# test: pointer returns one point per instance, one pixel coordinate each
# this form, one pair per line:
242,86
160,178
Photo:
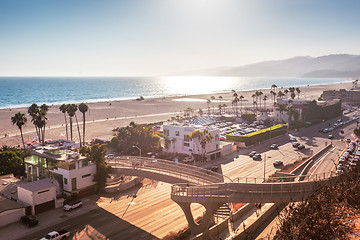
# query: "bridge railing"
166,167
225,190
313,177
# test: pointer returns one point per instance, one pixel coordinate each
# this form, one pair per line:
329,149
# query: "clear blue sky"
156,37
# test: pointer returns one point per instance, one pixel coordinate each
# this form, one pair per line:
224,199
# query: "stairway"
222,213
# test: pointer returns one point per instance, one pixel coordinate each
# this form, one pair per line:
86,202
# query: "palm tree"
83,108
43,112
280,94
254,102
32,110
220,98
208,106
71,109
63,109
202,137
19,119
282,108
274,87
260,94
292,91
298,91
286,92
213,98
273,94
200,111
265,99
241,99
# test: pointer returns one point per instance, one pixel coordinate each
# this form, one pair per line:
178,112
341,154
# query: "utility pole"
264,165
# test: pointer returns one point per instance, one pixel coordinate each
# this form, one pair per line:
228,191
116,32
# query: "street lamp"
138,149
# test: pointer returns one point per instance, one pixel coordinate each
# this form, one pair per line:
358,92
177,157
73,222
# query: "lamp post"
138,149
264,165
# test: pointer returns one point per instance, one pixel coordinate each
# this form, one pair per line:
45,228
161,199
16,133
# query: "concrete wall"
25,196
11,216
44,195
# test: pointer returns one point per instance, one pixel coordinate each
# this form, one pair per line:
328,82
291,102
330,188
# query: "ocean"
23,91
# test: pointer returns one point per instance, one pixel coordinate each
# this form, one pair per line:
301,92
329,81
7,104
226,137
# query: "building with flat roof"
283,116
73,172
10,211
178,143
346,96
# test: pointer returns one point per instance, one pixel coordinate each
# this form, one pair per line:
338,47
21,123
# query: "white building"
73,172
40,195
176,133
298,104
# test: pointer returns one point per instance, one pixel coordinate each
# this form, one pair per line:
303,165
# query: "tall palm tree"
32,111
43,112
286,91
265,99
213,99
280,94
254,102
241,100
298,91
220,98
208,106
274,87
83,108
282,108
63,109
19,119
260,94
292,91
71,109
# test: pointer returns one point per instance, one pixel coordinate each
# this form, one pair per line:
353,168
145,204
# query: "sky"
161,37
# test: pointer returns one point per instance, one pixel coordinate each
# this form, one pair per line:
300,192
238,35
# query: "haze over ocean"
23,91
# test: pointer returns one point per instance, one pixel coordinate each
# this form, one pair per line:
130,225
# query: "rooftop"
37,185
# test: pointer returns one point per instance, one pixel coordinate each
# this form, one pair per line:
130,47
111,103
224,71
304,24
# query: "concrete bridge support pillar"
195,228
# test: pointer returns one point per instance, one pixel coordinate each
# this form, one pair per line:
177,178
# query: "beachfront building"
281,116
178,143
346,96
73,172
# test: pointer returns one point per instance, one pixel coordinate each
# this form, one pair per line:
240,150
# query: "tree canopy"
135,135
12,161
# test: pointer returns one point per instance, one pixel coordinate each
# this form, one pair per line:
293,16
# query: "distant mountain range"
332,66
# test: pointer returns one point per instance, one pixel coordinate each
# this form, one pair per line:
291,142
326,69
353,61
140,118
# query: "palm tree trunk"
22,137
66,127
84,128
71,132
77,123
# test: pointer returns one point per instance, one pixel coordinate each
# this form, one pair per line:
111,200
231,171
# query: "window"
86,175
177,133
186,144
65,181
47,190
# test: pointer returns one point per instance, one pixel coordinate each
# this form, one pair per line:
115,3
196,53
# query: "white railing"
164,167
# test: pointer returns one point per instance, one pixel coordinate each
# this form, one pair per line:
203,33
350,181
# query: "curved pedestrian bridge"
193,184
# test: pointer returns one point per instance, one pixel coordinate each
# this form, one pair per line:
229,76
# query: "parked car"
295,144
330,136
274,146
54,235
73,205
256,156
252,153
277,163
29,220
292,139
301,147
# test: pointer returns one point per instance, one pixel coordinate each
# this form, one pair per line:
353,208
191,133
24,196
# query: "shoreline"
101,100
103,117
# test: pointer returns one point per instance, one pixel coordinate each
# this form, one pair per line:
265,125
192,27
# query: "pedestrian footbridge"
193,184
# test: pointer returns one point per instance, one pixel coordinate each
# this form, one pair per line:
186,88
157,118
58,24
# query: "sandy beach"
103,117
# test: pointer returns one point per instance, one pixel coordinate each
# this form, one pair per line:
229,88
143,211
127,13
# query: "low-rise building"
281,115
176,133
73,172
346,96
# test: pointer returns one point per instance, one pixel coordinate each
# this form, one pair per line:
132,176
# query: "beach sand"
103,117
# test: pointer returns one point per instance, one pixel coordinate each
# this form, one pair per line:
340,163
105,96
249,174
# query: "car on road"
292,139
300,147
29,220
277,163
252,153
348,140
256,157
54,235
295,144
330,136
73,205
274,146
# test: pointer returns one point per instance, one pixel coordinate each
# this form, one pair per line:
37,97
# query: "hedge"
258,136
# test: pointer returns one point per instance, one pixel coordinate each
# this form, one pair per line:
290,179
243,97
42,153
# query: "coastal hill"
330,66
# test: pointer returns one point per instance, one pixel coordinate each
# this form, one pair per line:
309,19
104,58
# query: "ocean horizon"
23,91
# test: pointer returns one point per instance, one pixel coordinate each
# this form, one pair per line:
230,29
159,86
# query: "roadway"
152,214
